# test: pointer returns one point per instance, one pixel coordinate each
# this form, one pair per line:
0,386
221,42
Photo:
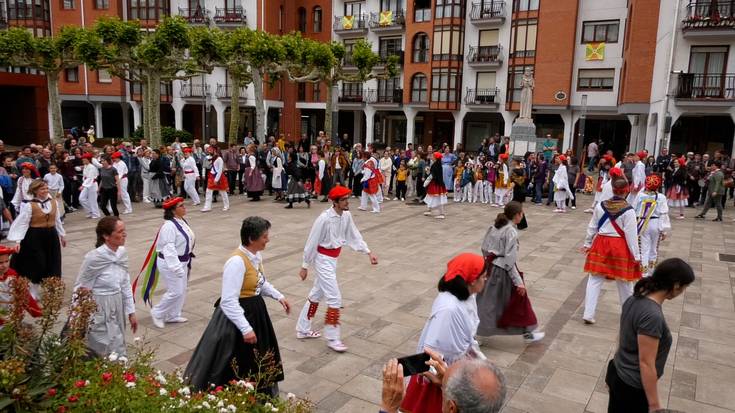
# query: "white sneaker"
127,212
206,209
588,211
337,345
589,322
427,213
226,209
573,208
362,209
178,320
533,337
308,334
158,322
440,217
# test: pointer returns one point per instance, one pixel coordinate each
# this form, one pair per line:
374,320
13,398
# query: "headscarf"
466,265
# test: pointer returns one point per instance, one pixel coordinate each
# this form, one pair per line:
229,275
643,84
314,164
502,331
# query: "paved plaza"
385,306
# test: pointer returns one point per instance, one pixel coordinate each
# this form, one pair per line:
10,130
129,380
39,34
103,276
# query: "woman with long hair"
436,192
503,305
645,339
254,184
104,271
678,194
39,235
451,327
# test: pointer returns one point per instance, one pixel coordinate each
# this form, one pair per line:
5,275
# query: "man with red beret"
652,210
639,176
89,188
371,180
332,230
189,166
7,277
122,172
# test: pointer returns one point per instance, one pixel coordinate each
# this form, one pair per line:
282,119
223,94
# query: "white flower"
249,386
162,391
221,404
222,410
160,377
130,384
211,397
290,396
185,391
137,339
206,405
231,408
113,356
86,382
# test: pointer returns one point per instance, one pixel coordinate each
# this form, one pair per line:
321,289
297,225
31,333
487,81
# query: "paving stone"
570,386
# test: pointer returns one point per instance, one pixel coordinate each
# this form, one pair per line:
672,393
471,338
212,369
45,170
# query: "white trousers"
170,306
410,187
373,200
146,188
500,194
386,182
594,286
649,245
191,190
488,192
88,199
124,195
467,193
208,199
325,287
480,192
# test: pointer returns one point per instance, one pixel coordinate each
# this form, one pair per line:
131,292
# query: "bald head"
473,386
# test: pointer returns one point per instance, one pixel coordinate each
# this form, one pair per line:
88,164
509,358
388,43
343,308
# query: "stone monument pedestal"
523,137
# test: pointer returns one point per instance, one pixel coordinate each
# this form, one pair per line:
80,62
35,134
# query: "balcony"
421,15
195,16
385,97
351,26
233,16
697,89
388,21
150,14
189,90
485,56
482,97
39,12
225,92
710,19
487,13
136,92
354,98
385,54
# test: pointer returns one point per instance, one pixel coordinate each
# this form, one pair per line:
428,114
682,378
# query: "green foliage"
168,135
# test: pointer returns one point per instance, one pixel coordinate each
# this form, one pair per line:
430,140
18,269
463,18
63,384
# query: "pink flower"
80,383
51,392
106,377
129,377
73,398
218,389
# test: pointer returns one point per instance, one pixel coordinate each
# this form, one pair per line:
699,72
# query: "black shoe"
699,217
289,206
717,220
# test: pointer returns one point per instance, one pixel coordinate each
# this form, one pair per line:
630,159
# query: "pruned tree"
68,49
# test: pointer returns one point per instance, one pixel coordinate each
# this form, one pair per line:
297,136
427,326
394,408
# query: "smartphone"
415,364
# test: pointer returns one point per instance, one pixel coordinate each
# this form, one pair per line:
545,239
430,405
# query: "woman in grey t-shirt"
645,339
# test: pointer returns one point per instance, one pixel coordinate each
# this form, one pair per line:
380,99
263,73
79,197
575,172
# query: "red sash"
329,252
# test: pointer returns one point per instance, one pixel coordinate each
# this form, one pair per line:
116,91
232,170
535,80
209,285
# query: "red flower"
129,377
73,398
61,409
80,383
51,392
106,377
218,389
174,393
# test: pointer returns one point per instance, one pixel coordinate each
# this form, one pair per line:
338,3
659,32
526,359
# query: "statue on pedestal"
527,85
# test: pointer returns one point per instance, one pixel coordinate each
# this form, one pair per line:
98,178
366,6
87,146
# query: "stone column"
508,118
137,118
568,137
410,124
369,125
178,107
220,109
458,128
125,120
98,120
357,127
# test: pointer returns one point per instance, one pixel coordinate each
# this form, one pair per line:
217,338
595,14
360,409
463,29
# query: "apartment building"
632,73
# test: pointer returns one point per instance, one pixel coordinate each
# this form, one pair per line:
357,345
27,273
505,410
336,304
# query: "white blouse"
21,192
22,222
172,244
105,272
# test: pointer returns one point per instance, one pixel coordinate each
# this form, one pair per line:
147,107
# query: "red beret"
172,202
6,251
682,161
27,165
87,156
116,155
187,150
503,156
653,182
642,154
339,192
437,155
562,158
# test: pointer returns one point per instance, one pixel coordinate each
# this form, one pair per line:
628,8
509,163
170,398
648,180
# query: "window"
421,48
708,60
66,4
515,76
525,5
596,79
302,20
101,4
103,76
316,92
317,16
390,47
394,5
444,84
72,75
706,77
349,45
419,88
148,9
448,43
523,38
449,8
389,90
485,80
422,10
352,91
488,38
600,31
301,92
353,9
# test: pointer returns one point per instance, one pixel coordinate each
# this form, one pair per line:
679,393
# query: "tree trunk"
154,80
234,109
146,108
259,106
328,110
52,81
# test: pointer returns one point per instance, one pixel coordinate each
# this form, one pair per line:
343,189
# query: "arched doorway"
702,134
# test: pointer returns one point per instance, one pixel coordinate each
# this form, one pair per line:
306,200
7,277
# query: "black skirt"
222,342
39,256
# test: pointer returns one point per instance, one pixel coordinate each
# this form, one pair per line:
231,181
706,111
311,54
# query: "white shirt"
627,222
55,182
322,165
331,230
592,150
561,180
89,174
111,279
19,227
189,167
639,176
449,329
218,167
122,169
172,244
367,172
21,192
661,213
232,279
386,165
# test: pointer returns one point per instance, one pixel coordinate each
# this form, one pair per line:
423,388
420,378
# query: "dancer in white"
639,177
561,185
29,174
502,182
654,224
217,181
55,183
189,166
371,180
88,197
174,247
122,173
332,230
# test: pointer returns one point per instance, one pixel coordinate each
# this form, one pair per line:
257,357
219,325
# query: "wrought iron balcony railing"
710,15
353,96
387,19
485,96
225,91
485,54
197,16
701,86
194,90
385,96
347,23
230,15
487,10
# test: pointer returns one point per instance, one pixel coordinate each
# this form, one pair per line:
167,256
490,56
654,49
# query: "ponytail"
667,275
501,220
511,210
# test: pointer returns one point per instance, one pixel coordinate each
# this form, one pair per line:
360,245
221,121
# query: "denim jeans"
539,189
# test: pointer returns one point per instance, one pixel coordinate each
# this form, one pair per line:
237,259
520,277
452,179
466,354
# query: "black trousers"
109,194
357,185
240,182
231,180
694,190
624,398
401,188
133,178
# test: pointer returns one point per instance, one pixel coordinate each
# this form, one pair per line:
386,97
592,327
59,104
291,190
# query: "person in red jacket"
7,277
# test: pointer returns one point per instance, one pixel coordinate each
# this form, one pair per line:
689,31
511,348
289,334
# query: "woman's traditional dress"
37,227
295,191
253,179
678,194
159,186
236,313
105,273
